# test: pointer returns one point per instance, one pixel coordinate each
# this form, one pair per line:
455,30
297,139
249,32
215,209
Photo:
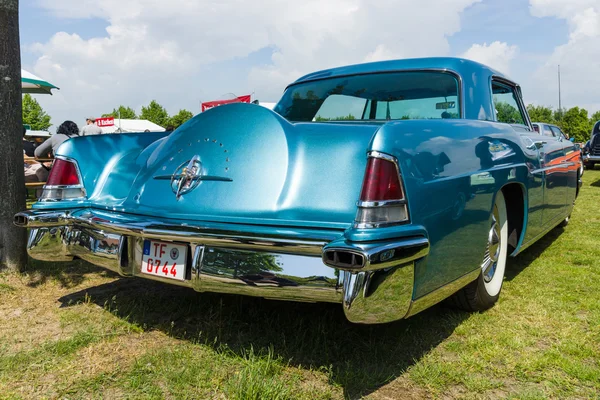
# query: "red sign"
210,104
107,121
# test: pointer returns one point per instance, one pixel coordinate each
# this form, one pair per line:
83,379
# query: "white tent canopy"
132,125
31,83
270,106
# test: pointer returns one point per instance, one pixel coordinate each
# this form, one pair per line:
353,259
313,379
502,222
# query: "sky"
103,53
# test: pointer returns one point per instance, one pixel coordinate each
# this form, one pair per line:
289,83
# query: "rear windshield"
373,97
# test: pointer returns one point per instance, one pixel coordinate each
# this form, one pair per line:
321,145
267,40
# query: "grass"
70,330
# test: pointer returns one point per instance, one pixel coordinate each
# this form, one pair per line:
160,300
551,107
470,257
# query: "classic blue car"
592,148
385,187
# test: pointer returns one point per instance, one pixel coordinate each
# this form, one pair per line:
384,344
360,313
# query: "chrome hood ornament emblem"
188,176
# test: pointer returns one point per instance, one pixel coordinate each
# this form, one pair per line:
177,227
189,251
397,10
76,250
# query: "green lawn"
75,331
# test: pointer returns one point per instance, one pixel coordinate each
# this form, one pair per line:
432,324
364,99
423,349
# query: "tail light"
382,200
64,182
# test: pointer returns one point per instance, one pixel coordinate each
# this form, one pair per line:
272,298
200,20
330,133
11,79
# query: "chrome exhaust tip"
21,219
344,259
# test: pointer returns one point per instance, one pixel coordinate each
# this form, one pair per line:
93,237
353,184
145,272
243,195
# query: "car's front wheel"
483,292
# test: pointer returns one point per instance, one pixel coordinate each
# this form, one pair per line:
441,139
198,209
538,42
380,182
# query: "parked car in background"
554,132
591,149
385,187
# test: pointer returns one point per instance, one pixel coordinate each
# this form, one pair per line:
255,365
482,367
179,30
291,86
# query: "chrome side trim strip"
551,167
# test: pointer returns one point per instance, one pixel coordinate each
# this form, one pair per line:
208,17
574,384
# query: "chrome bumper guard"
286,267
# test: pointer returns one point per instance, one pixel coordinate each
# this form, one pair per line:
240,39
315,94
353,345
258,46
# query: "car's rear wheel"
483,292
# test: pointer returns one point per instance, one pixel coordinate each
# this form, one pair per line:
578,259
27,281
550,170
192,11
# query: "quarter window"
506,105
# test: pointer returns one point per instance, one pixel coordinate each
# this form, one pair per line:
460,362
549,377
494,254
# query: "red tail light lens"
382,199
63,182
381,182
63,173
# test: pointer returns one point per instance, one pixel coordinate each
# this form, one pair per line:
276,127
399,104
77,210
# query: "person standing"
91,128
28,147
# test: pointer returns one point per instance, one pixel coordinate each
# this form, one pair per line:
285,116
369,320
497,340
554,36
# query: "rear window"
373,97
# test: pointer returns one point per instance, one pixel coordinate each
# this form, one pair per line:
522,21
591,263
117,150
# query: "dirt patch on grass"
31,315
400,388
120,352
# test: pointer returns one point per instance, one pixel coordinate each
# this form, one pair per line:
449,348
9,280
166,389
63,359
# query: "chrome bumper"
589,157
285,266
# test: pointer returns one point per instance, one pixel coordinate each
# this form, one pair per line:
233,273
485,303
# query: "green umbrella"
33,84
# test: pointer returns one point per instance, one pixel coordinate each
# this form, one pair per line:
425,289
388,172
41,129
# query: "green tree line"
35,116
153,112
574,121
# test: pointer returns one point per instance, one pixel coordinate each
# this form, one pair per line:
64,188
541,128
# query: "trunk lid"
253,166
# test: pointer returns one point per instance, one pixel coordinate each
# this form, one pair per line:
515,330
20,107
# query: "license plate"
163,259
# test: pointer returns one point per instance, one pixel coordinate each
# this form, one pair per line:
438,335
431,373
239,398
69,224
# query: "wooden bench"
34,185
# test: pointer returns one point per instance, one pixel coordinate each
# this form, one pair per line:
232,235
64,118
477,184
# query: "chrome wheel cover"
494,245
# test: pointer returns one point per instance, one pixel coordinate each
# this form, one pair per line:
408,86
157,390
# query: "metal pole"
559,102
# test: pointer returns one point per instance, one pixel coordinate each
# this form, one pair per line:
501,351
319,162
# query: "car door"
552,157
510,109
570,167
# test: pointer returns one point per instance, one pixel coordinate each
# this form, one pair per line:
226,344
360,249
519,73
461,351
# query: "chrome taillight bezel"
49,192
399,206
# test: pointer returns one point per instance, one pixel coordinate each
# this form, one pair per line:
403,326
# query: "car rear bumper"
290,265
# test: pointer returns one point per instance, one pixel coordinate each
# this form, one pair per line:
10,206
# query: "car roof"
461,66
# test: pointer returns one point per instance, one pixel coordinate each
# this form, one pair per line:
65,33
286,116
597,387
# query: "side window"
507,106
557,132
548,131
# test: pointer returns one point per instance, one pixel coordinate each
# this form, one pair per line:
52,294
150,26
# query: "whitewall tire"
483,293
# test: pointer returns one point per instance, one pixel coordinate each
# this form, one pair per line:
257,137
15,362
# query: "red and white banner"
210,104
106,121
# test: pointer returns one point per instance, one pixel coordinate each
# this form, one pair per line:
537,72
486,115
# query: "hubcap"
490,260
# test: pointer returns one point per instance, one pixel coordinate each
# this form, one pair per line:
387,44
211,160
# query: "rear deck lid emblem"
188,175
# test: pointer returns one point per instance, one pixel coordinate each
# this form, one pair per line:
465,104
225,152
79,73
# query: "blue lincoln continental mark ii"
385,187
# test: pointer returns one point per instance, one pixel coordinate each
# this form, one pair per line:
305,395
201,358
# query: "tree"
12,179
348,117
180,118
156,113
126,113
34,115
576,124
507,113
558,115
540,114
595,117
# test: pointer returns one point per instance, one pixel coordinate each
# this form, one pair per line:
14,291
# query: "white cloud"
173,51
579,57
497,55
